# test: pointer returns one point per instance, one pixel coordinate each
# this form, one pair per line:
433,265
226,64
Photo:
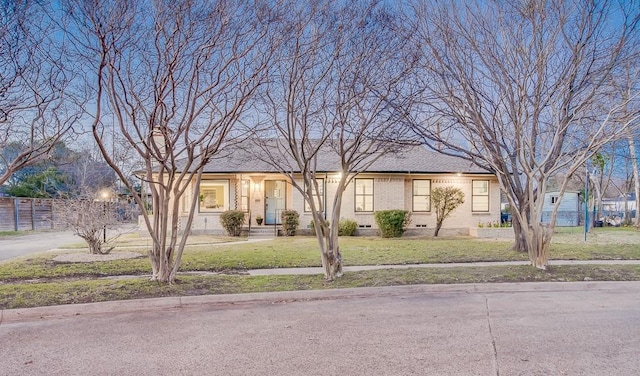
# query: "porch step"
263,232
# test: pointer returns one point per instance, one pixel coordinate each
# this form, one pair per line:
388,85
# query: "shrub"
290,222
232,221
312,226
445,200
392,223
347,227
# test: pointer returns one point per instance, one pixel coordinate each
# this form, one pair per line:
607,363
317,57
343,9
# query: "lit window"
480,196
214,196
318,197
422,195
364,195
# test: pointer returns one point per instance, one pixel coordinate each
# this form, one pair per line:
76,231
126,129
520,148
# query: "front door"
274,200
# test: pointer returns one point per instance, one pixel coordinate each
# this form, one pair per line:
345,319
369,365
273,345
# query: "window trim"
487,195
356,195
413,196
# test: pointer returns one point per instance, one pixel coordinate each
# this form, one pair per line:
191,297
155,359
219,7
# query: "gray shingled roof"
413,159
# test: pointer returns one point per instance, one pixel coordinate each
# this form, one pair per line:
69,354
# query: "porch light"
256,187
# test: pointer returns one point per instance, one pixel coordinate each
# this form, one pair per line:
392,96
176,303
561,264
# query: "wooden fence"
20,214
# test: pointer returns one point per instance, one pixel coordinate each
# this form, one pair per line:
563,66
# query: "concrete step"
262,232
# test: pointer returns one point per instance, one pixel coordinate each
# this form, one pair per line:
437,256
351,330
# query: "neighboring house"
569,212
618,206
240,181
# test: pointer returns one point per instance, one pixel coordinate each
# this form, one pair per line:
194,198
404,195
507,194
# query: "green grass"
38,280
84,291
303,252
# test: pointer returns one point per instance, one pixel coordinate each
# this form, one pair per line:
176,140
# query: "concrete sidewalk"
319,270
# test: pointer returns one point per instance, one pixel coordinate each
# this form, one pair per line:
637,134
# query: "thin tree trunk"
520,241
437,230
331,257
636,178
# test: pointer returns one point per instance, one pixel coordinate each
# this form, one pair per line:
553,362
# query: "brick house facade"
402,181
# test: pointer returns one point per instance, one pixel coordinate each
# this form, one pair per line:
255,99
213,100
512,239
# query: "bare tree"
445,201
93,216
627,89
524,89
328,104
35,77
635,178
176,78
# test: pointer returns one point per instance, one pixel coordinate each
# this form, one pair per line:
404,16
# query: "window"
364,195
422,195
244,195
318,199
214,196
480,196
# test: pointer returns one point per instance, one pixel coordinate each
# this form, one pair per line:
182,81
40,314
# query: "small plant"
347,227
290,222
312,226
480,224
232,221
259,219
392,223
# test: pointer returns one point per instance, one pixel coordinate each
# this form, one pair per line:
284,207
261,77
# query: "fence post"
33,214
53,217
15,214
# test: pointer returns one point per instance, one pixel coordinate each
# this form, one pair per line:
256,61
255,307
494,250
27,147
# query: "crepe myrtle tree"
335,73
528,90
172,80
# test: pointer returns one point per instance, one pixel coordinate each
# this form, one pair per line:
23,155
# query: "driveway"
22,245
588,328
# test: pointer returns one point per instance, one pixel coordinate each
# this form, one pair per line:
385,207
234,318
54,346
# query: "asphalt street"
587,328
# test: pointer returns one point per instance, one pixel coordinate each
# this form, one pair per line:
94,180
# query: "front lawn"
302,252
22,295
39,280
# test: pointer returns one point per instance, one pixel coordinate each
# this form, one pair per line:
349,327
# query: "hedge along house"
240,181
